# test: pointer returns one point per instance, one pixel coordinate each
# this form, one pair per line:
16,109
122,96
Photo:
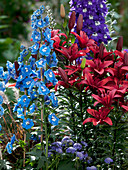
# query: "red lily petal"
88,120
108,120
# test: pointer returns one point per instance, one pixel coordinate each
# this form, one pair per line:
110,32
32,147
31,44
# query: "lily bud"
79,23
119,44
16,67
72,20
63,74
126,59
101,50
62,11
83,63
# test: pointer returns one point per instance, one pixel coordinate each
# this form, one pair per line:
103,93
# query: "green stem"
46,137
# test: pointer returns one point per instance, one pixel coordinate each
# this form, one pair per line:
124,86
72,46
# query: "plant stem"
46,137
1,157
114,143
42,110
24,134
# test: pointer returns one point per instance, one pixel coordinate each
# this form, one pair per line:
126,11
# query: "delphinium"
35,79
94,13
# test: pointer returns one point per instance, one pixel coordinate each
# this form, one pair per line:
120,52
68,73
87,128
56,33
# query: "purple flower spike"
94,13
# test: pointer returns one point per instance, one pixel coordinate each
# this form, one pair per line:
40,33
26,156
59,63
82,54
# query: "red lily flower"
94,82
72,52
83,39
105,99
100,116
98,66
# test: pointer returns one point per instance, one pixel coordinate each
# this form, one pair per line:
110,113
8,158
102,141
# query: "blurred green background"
15,22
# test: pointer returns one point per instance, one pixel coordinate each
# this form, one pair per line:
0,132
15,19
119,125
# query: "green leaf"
67,164
41,162
10,94
4,26
3,17
5,40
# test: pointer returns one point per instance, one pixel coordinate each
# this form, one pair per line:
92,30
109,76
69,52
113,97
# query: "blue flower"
11,69
33,137
80,155
24,53
2,86
65,139
32,108
26,70
44,50
47,34
24,101
36,36
53,119
52,60
46,21
78,146
59,150
91,168
70,150
41,63
27,123
1,111
40,23
43,90
13,138
54,99
9,147
1,99
50,76
57,144
0,127
20,113
1,72
27,82
108,160
84,143
50,154
46,100
34,49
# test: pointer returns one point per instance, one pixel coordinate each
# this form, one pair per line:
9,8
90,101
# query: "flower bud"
101,50
83,63
72,20
62,11
119,44
79,23
16,67
63,74
126,59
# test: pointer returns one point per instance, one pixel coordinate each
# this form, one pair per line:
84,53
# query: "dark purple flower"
108,160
